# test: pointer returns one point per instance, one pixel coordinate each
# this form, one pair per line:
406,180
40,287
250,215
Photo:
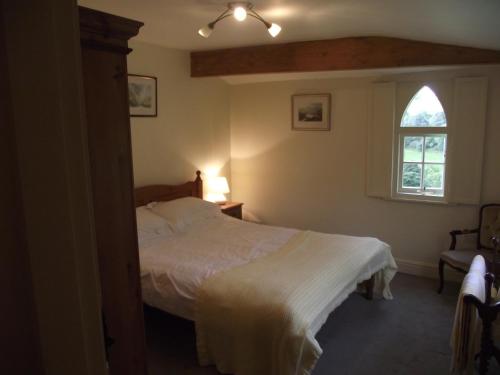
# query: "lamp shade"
205,31
216,188
274,29
218,185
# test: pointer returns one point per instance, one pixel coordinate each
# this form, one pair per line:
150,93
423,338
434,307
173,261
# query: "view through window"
422,136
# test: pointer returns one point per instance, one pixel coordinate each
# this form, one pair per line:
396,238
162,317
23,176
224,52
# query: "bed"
257,294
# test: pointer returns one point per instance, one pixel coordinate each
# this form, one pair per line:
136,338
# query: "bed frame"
158,193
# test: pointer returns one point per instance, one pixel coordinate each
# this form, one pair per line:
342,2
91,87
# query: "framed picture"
142,98
311,112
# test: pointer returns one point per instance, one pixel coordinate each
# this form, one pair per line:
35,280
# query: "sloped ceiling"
174,23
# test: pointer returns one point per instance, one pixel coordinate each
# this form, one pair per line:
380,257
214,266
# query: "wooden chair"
460,259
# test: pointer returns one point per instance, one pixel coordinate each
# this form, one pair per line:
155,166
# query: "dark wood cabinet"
104,41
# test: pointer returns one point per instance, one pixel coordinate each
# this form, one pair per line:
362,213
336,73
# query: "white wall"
192,128
316,180
309,180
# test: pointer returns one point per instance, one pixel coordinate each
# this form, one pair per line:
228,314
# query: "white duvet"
174,266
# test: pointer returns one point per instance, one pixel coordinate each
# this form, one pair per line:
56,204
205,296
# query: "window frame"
418,194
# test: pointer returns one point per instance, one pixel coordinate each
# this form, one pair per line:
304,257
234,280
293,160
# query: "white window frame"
400,132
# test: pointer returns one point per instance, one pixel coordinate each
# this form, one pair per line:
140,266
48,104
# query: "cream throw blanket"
259,318
467,327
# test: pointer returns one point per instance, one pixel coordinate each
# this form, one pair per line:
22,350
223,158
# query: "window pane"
433,176
435,148
413,149
412,175
424,110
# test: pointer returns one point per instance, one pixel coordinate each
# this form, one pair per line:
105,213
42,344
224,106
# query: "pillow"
150,225
182,212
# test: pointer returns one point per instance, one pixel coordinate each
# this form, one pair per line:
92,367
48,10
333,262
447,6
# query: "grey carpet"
408,335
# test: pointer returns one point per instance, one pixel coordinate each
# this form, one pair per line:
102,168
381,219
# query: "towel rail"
488,313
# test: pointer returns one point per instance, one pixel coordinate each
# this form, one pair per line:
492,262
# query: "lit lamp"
240,11
217,187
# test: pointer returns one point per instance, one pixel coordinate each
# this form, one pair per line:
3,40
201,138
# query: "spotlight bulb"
205,31
274,29
240,13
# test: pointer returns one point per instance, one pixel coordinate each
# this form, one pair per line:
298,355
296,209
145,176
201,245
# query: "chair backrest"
496,257
489,225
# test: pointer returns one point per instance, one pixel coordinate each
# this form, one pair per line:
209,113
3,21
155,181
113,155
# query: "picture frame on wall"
142,96
311,112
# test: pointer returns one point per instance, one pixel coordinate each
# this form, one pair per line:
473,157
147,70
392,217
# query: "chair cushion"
463,258
490,225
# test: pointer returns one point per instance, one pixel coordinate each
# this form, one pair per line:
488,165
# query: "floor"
408,335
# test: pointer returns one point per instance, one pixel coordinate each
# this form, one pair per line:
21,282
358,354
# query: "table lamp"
216,188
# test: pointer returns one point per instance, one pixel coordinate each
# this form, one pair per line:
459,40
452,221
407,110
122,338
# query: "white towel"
466,334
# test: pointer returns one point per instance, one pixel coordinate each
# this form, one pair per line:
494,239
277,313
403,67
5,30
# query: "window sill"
424,200
417,198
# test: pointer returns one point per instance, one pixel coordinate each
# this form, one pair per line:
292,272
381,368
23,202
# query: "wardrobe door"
106,96
20,339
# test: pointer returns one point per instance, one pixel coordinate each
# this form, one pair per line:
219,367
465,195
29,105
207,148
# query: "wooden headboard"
157,193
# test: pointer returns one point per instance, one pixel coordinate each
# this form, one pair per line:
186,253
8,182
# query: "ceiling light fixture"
240,11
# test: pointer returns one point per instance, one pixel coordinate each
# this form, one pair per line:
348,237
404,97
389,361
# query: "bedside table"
232,209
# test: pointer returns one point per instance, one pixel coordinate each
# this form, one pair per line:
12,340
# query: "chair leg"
441,276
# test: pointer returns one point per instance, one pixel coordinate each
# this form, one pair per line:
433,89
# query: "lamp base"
216,198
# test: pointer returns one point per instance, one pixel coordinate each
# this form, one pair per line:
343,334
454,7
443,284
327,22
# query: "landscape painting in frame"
311,112
142,96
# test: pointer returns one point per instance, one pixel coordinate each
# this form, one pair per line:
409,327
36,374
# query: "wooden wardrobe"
104,41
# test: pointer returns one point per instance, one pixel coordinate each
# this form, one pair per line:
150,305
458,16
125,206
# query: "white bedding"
174,266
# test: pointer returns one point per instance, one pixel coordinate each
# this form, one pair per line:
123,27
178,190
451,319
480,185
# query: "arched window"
422,135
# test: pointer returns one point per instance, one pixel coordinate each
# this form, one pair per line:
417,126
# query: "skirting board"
416,268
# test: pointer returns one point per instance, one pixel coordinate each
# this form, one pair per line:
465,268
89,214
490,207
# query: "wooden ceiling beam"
335,54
